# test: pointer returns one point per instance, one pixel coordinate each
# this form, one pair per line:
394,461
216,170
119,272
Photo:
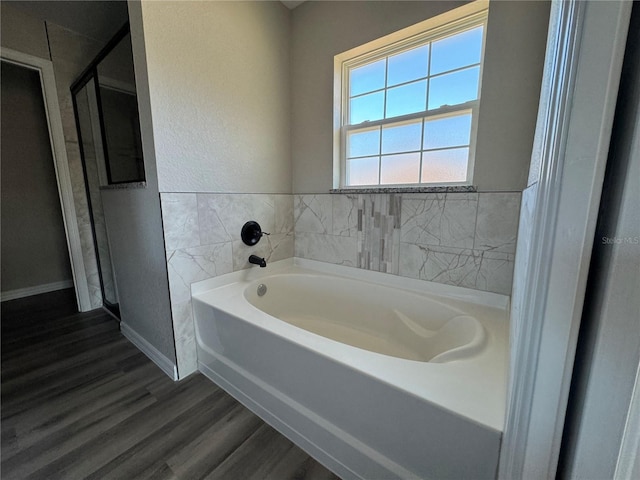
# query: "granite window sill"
421,189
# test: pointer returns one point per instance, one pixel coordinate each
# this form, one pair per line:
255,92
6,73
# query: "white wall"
516,36
512,75
219,90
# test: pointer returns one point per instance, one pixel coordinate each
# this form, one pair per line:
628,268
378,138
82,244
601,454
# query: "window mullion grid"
344,154
403,152
426,106
421,149
384,114
450,147
415,80
426,109
380,156
421,117
458,69
448,110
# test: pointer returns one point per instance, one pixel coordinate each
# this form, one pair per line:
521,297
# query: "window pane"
363,171
361,144
408,66
403,168
447,132
401,138
368,107
456,51
406,99
367,78
454,88
445,165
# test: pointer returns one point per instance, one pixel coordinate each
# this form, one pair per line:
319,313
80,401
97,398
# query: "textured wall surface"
137,251
219,90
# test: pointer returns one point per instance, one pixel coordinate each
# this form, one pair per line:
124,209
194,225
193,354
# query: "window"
408,109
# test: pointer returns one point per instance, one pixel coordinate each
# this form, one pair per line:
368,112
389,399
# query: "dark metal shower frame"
89,74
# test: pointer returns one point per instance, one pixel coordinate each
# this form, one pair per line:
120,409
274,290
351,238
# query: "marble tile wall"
466,239
202,240
525,229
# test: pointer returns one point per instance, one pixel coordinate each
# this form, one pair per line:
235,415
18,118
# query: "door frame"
60,164
585,49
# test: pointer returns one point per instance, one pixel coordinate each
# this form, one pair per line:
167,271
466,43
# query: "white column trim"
583,76
61,167
628,464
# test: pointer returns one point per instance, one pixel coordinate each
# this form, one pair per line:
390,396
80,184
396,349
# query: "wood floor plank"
46,421
31,396
205,452
27,335
255,457
80,402
144,454
37,357
108,444
52,372
82,397
55,448
316,471
288,467
161,471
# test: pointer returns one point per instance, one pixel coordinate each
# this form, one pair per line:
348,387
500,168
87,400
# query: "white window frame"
465,17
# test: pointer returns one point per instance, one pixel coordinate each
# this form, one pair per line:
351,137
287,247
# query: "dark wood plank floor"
79,401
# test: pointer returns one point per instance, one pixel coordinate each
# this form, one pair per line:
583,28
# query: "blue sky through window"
427,149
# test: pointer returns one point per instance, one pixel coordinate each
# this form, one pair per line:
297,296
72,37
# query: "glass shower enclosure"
106,112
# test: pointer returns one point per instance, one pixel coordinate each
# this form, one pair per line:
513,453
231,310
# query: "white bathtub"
376,376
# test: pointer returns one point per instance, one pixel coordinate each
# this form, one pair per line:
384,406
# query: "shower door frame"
89,75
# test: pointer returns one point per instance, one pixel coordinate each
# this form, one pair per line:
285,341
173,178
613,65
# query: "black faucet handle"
251,233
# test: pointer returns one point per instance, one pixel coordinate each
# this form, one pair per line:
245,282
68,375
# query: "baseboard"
37,290
166,365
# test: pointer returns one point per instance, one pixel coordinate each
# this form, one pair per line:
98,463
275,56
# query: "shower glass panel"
88,123
119,107
106,110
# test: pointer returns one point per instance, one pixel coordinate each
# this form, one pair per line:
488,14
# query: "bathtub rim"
462,294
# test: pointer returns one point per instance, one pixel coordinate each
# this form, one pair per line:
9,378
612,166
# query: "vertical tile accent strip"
379,232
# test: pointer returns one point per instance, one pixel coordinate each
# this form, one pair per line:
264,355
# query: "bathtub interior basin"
390,322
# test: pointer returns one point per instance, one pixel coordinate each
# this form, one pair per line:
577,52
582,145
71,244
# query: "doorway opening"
35,252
